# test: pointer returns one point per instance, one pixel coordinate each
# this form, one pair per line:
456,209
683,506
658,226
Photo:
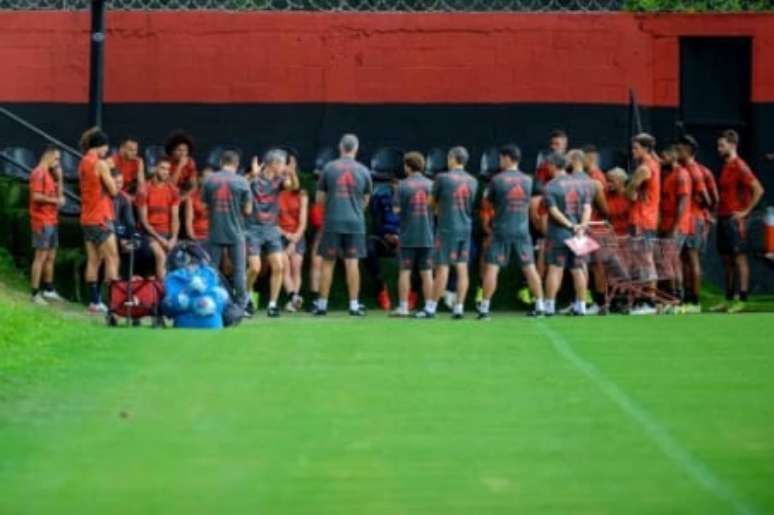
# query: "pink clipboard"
581,245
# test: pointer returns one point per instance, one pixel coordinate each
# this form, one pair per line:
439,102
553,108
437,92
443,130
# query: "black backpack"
187,253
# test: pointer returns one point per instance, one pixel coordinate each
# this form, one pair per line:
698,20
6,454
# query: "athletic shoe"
457,316
525,296
359,312
383,299
399,313
567,310
736,307
52,295
297,302
450,299
98,309
413,300
250,308
576,313
720,307
38,299
534,313
290,307
593,309
319,312
691,309
424,314
548,314
273,312
643,309
484,316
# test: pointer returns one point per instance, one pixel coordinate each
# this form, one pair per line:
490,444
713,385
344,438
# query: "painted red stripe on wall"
366,58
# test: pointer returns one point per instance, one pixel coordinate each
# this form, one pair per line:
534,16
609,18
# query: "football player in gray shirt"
453,195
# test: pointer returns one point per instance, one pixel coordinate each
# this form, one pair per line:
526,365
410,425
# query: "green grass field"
648,415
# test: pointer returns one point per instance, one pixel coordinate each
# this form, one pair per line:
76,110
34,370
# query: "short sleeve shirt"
346,183
160,200
569,196
676,184
416,221
736,180
264,193
455,193
510,192
43,213
225,194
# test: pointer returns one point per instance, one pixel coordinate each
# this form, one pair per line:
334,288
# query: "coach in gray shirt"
344,189
227,196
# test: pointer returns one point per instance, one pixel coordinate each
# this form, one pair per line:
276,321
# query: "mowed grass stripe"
335,416
654,430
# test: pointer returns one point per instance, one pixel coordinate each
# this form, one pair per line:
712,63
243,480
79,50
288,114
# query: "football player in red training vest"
46,197
293,203
179,148
618,203
97,192
197,219
129,164
159,202
694,243
740,192
675,222
644,190
599,212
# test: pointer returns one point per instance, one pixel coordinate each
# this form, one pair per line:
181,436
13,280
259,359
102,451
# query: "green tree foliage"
699,5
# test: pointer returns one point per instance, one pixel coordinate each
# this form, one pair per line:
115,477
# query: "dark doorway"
715,76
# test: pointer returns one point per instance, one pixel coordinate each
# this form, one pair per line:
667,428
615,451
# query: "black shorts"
501,249
334,245
47,238
300,245
450,250
262,244
733,237
419,257
559,254
97,234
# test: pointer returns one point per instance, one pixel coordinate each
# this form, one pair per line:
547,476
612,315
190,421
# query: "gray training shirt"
346,183
416,219
454,192
509,192
225,194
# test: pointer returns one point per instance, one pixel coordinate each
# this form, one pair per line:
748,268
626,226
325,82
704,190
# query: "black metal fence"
326,5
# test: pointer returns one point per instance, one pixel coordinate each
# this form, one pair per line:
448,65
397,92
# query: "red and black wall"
414,81
410,80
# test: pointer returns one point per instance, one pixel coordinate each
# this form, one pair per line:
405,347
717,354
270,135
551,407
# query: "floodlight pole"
97,62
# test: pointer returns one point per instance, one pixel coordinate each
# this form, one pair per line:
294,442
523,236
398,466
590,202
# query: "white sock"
430,306
540,305
580,306
550,305
403,306
459,308
272,304
484,306
322,304
354,305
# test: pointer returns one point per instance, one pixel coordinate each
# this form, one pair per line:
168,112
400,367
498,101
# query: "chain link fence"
325,5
